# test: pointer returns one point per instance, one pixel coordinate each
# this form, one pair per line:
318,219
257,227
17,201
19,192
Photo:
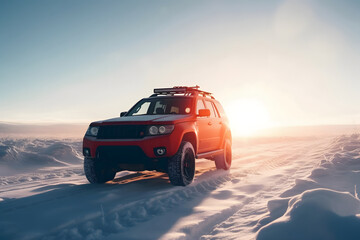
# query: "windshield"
158,106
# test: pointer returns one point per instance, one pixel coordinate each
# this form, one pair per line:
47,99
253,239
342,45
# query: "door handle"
209,123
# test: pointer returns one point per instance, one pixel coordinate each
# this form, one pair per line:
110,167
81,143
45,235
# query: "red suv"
164,132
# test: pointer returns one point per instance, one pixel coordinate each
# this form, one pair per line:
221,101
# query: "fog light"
86,152
161,151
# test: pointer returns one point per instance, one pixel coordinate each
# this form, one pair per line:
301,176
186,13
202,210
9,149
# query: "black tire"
181,167
97,172
223,161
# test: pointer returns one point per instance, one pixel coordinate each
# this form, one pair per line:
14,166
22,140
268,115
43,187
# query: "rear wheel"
181,167
223,161
97,172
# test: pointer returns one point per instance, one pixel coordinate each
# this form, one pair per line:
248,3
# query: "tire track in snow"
129,215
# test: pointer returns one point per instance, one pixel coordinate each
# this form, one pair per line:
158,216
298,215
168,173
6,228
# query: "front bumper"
146,145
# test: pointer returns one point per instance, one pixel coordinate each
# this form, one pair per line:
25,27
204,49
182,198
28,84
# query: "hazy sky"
79,61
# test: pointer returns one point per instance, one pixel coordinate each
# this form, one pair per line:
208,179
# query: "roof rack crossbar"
181,90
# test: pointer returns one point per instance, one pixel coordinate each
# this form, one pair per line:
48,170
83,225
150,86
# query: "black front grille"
121,131
122,154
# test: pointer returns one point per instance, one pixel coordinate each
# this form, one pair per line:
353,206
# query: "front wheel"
223,161
97,172
181,167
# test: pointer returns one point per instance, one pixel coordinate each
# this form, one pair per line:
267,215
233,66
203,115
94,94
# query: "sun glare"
247,117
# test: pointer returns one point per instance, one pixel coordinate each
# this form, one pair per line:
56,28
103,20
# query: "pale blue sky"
79,61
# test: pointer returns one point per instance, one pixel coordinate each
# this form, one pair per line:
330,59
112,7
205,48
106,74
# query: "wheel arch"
192,138
227,136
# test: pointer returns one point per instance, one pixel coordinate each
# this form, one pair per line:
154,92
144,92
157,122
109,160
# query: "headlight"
160,130
153,130
92,131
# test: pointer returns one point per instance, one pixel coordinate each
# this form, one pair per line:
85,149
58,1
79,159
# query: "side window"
210,107
199,105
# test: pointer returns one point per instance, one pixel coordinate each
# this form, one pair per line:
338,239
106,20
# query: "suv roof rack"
186,91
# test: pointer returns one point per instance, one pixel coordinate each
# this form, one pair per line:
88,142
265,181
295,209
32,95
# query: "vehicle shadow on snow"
139,176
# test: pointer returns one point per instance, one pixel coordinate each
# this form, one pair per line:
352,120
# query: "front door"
207,132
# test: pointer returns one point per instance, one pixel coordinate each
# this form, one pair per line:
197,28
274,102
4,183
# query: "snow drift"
323,206
21,155
317,214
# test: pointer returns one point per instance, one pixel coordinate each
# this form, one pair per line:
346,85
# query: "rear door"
224,122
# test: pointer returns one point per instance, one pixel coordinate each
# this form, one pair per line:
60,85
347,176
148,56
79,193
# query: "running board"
210,155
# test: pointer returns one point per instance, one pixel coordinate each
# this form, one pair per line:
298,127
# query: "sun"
247,117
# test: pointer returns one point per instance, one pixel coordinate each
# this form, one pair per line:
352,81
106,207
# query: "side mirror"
204,113
123,114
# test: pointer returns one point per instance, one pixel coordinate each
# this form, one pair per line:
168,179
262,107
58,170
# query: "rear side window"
220,109
210,107
215,110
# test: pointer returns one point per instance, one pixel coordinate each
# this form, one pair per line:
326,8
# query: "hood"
147,119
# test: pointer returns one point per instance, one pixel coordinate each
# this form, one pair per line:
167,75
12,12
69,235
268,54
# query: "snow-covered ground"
284,188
